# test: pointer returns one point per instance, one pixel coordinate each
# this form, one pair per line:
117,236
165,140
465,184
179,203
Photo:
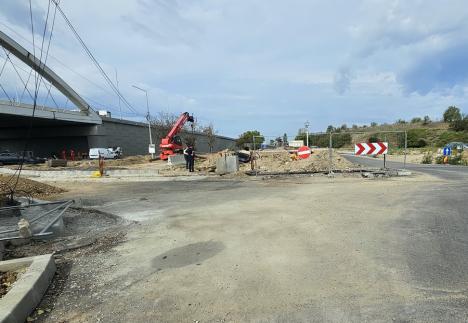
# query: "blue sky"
267,65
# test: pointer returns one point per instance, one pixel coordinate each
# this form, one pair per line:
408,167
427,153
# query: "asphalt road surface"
293,249
450,172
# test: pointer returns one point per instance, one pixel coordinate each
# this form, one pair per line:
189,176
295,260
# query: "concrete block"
227,164
29,289
57,163
176,160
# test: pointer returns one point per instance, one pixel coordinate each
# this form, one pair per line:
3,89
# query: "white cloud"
278,62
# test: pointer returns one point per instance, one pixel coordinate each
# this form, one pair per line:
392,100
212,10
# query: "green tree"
330,128
416,120
400,121
248,138
460,125
373,124
426,120
452,114
285,139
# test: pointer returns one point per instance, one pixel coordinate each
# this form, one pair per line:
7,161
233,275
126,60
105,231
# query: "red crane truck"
172,143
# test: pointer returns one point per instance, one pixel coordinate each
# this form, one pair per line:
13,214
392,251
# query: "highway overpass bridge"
48,131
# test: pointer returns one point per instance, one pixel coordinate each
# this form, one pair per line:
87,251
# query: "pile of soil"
27,187
282,161
268,161
6,281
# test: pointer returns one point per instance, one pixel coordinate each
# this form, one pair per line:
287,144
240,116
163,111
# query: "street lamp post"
147,116
307,133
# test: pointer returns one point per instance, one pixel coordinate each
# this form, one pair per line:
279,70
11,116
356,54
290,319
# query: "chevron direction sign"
372,148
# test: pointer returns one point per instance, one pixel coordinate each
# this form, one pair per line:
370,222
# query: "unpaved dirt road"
277,250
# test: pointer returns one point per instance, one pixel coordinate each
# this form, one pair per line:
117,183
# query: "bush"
373,138
460,125
449,136
439,160
427,159
455,160
416,138
416,120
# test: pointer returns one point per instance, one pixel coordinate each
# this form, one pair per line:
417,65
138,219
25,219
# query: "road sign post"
372,148
447,151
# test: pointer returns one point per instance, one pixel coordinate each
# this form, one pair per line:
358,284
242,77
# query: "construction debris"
283,161
27,187
6,281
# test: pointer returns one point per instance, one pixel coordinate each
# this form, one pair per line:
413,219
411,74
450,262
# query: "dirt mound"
282,161
27,187
279,161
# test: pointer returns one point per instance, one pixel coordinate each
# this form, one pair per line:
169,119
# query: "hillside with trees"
421,132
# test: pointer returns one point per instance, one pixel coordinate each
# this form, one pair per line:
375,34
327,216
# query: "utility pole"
147,116
307,132
117,81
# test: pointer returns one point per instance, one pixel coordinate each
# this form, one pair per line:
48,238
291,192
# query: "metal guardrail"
61,209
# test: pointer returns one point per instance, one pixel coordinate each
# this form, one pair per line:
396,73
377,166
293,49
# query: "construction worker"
186,157
191,157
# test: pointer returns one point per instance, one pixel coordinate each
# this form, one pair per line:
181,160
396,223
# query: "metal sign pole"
406,145
330,153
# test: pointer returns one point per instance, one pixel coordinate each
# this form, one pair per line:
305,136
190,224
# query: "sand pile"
281,161
27,187
273,161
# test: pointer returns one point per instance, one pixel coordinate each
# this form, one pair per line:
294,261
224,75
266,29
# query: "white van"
107,153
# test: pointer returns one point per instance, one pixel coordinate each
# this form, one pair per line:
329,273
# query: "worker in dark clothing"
186,157
191,156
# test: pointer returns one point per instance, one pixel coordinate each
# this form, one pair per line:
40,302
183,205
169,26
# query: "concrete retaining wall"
132,136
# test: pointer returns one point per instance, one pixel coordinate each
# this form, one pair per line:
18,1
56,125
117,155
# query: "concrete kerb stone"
82,173
29,289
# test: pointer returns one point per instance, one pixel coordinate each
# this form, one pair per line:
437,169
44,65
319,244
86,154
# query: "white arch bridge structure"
47,131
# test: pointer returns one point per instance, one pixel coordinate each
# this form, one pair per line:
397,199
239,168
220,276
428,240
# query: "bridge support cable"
18,74
93,59
6,94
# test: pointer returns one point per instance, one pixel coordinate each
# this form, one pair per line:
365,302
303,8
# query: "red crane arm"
184,117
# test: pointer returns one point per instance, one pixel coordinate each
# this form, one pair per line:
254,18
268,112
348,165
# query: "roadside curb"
82,173
29,289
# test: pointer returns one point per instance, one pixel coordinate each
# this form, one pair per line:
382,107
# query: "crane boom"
184,117
172,143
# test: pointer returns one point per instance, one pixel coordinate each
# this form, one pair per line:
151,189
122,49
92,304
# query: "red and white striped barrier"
373,148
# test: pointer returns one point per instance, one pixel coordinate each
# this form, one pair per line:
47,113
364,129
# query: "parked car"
106,153
9,158
456,145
